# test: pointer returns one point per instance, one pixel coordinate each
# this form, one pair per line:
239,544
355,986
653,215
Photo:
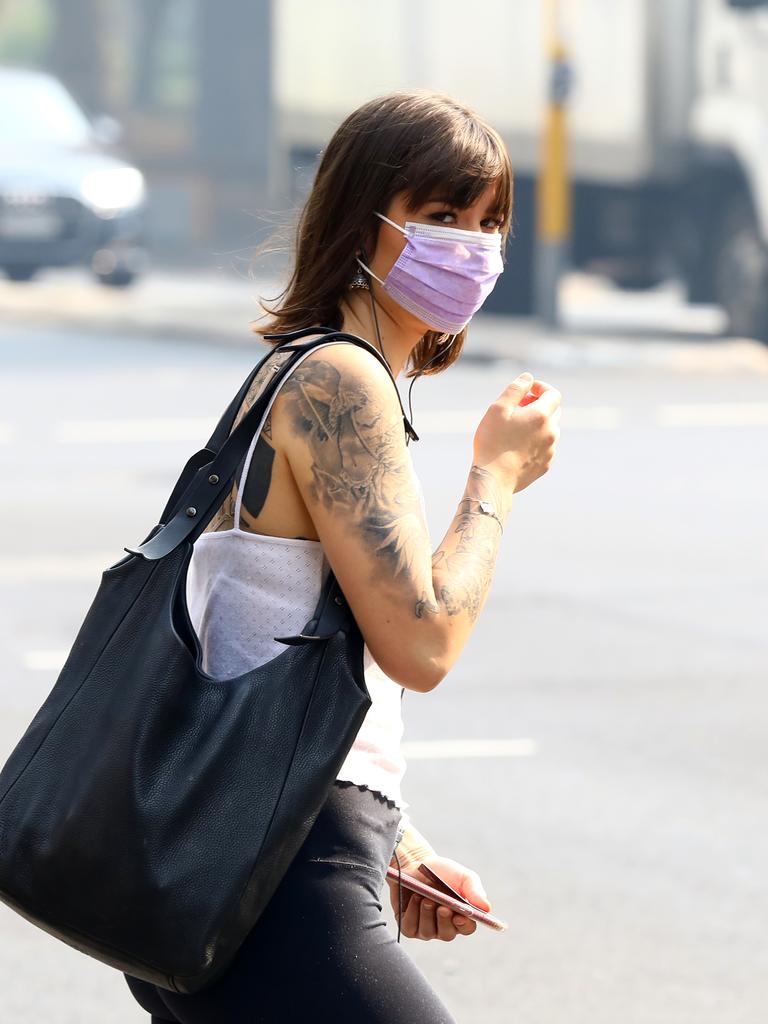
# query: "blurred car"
63,198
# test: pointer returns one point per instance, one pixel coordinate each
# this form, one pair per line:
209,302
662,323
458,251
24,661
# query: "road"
620,825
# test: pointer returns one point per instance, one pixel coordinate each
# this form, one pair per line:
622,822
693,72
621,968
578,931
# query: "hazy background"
598,754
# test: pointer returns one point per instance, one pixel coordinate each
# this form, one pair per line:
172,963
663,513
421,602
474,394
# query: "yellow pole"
553,202
554,207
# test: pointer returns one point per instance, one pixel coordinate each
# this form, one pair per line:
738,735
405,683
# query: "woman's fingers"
419,918
427,921
423,919
446,930
464,925
411,915
431,921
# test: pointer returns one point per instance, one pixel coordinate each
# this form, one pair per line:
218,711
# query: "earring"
359,280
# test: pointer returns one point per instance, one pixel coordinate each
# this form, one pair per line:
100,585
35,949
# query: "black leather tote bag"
149,811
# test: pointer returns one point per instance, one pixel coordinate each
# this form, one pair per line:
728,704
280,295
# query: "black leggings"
321,951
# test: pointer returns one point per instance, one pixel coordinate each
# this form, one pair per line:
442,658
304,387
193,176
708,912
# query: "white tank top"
244,589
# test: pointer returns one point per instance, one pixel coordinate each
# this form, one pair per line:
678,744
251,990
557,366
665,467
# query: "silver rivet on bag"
213,479
191,511
338,600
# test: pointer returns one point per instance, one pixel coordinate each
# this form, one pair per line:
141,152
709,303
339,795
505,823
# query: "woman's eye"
490,222
442,213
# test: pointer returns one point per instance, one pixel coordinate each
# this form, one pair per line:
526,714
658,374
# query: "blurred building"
226,105
191,84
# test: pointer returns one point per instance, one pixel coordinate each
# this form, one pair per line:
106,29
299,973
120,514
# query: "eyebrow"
449,201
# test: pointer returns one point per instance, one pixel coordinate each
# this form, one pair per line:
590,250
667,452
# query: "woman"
399,242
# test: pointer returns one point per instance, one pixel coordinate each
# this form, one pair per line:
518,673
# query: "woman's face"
391,242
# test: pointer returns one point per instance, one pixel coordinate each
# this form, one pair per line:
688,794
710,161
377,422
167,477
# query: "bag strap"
212,446
193,501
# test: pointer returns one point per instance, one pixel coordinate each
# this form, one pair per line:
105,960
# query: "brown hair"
417,142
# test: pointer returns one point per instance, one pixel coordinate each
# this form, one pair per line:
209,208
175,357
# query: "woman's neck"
397,340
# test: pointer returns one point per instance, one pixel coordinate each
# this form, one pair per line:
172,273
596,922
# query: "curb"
210,309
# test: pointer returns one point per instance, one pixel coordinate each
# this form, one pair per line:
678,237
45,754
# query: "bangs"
457,167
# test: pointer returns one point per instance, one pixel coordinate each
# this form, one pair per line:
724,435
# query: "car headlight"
114,189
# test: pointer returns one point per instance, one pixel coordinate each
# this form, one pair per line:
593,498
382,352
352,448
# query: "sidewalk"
603,326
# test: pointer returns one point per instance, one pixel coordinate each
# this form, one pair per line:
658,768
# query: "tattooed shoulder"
358,463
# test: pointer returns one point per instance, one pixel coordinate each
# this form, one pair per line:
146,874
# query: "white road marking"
54,568
433,749
465,421
714,414
598,417
44,661
132,430
435,421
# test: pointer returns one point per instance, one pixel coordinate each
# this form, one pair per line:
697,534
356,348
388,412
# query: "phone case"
446,896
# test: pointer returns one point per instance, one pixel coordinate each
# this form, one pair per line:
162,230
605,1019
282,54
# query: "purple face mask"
444,274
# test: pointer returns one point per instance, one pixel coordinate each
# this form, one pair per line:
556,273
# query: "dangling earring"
359,280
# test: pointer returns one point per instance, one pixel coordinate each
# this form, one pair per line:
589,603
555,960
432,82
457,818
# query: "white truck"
667,123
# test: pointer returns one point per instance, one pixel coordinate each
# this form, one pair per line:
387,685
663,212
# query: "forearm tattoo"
463,570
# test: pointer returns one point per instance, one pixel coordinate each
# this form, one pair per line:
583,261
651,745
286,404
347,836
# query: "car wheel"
20,271
120,278
741,273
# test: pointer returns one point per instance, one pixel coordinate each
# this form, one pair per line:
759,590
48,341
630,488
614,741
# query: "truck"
667,124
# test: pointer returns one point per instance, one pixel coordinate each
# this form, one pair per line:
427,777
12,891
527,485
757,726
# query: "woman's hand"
424,919
517,436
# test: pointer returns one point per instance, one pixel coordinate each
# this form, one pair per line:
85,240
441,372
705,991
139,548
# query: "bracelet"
486,508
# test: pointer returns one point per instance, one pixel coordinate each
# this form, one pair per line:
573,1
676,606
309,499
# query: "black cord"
399,894
421,370
407,441
381,348
375,317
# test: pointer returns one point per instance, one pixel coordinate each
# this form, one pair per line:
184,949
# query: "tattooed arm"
339,422
462,567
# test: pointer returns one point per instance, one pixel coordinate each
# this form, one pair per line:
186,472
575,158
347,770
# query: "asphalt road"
620,825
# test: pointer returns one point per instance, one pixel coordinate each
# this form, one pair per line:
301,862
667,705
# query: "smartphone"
444,894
